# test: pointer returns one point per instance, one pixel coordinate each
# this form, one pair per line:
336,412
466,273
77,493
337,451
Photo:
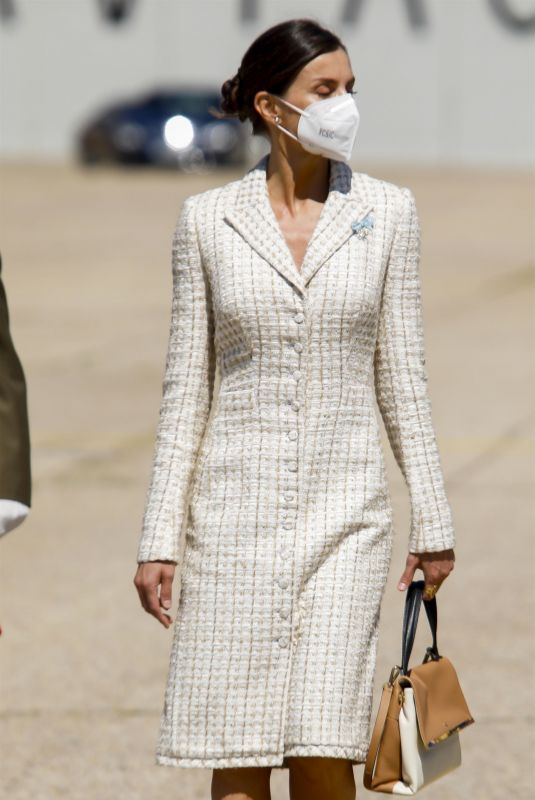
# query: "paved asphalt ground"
86,260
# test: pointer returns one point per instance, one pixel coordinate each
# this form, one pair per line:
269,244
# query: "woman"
300,281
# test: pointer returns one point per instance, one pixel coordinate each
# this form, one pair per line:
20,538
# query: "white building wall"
459,90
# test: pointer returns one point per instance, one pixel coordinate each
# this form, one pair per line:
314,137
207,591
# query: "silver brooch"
363,226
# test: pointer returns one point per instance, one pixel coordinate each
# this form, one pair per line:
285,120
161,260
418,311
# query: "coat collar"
253,217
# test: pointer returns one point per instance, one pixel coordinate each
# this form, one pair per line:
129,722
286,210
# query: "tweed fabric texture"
271,493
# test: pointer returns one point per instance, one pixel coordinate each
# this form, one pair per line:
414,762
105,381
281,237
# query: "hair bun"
230,91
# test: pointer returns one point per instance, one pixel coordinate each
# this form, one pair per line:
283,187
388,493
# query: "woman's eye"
326,94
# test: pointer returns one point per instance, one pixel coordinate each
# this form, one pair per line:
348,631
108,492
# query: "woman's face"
326,75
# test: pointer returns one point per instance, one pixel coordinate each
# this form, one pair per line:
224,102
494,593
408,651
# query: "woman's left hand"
436,567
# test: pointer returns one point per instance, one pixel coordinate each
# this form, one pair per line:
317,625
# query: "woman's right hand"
149,576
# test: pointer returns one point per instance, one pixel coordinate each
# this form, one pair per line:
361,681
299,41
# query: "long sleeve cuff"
12,514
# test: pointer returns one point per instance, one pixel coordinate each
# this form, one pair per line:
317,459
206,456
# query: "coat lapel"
254,219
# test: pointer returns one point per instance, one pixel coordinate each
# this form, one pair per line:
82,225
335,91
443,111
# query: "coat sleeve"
401,388
186,396
15,446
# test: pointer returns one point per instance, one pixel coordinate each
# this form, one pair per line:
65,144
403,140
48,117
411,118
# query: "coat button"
298,347
289,496
284,641
299,317
292,466
297,374
283,583
288,525
284,613
292,434
296,405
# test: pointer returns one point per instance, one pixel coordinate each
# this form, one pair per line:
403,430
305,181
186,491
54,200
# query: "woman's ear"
266,106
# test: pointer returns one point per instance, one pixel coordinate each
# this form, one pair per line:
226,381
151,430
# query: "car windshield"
187,104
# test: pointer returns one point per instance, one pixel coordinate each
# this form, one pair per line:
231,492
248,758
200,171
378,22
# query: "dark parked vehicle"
169,127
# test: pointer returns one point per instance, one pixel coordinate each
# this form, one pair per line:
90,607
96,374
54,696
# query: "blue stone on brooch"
363,227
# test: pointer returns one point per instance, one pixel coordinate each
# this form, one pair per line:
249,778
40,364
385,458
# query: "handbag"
415,738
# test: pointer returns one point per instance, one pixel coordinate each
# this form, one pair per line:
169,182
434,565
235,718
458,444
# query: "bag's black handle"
413,601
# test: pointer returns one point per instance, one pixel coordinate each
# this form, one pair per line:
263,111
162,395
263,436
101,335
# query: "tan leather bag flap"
441,707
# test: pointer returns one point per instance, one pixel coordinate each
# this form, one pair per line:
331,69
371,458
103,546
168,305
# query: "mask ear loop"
295,108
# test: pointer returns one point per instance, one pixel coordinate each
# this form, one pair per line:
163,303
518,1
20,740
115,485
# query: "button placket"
290,494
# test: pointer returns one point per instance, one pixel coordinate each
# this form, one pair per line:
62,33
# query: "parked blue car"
168,127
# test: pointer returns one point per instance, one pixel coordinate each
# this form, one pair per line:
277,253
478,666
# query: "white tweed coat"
278,479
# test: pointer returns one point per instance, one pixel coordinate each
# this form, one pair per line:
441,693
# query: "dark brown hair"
271,63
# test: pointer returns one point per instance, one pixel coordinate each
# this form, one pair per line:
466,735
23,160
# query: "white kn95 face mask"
327,127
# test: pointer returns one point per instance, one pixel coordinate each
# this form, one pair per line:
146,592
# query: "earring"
277,118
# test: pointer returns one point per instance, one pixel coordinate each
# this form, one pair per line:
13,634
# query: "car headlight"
178,132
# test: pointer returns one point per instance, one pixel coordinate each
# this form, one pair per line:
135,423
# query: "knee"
243,783
330,777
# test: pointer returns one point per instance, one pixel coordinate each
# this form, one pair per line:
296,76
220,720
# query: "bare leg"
241,783
318,778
